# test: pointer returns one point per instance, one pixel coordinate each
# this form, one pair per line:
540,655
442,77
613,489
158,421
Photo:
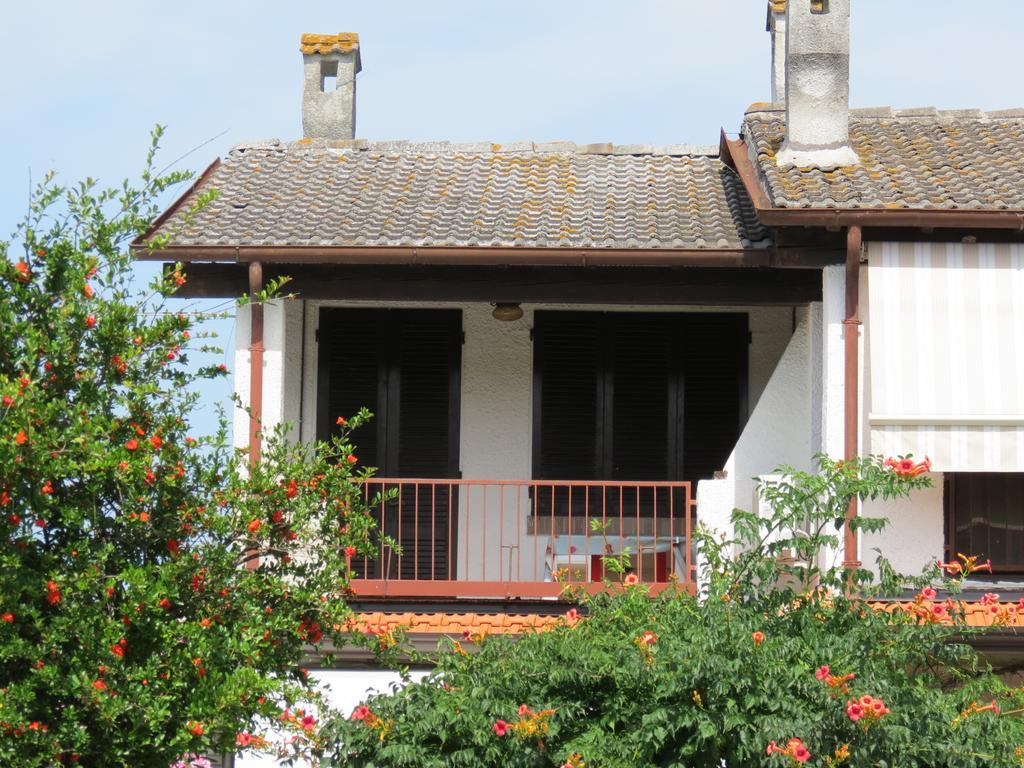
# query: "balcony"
502,539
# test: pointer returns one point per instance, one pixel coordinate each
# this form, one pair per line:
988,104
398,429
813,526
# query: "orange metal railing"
524,538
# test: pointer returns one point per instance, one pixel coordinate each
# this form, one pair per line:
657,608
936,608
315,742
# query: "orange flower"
631,580
341,421
196,729
758,637
156,442
7,617
90,321
21,438
87,291
99,685
907,468
254,525
132,444
47,488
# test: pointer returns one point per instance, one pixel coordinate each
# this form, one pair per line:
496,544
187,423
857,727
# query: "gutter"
851,372
469,256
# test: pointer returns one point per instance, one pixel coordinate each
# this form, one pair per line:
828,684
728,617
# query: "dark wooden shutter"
353,371
567,396
423,438
714,355
641,370
404,365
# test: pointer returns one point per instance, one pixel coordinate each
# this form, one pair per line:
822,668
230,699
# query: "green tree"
773,665
157,593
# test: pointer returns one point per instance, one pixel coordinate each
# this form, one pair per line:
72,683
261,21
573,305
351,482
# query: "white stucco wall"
282,366
344,691
778,432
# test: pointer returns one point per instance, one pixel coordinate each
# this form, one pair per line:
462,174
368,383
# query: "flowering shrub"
767,668
156,592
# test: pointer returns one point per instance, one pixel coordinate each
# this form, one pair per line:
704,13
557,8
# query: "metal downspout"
851,426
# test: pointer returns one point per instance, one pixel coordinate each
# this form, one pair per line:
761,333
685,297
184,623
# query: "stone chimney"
776,27
330,64
817,85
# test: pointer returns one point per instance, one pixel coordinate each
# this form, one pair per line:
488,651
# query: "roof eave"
461,255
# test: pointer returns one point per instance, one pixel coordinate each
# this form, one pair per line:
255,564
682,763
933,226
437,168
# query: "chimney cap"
343,42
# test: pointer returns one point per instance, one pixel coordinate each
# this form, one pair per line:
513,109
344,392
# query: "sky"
82,83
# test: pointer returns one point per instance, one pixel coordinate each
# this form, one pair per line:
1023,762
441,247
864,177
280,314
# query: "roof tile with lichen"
909,159
344,42
367,194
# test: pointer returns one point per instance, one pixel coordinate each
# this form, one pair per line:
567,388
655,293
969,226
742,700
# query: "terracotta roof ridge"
478,147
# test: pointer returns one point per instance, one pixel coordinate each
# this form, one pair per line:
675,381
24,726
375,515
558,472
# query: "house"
574,351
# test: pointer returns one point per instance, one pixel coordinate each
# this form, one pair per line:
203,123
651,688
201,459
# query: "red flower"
117,650
308,723
196,729
164,603
99,685
244,739
907,468
132,445
156,442
350,551
572,615
351,458
758,637
47,488
800,754
21,438
90,321
52,592
360,713
8,400
173,547
292,490
928,593
7,617
341,421
254,525
500,728
22,269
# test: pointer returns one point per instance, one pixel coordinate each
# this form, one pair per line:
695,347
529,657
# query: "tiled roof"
1004,614
455,624
915,158
343,42
558,195
976,614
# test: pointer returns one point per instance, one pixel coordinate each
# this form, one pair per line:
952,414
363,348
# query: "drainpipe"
255,361
851,428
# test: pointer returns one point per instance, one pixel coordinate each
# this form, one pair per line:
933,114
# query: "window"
637,396
985,517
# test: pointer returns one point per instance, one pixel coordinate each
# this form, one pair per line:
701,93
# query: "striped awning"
946,353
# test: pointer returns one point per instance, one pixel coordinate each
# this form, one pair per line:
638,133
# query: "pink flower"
500,728
928,593
308,723
631,580
800,754
360,713
989,598
822,672
523,710
854,711
572,615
